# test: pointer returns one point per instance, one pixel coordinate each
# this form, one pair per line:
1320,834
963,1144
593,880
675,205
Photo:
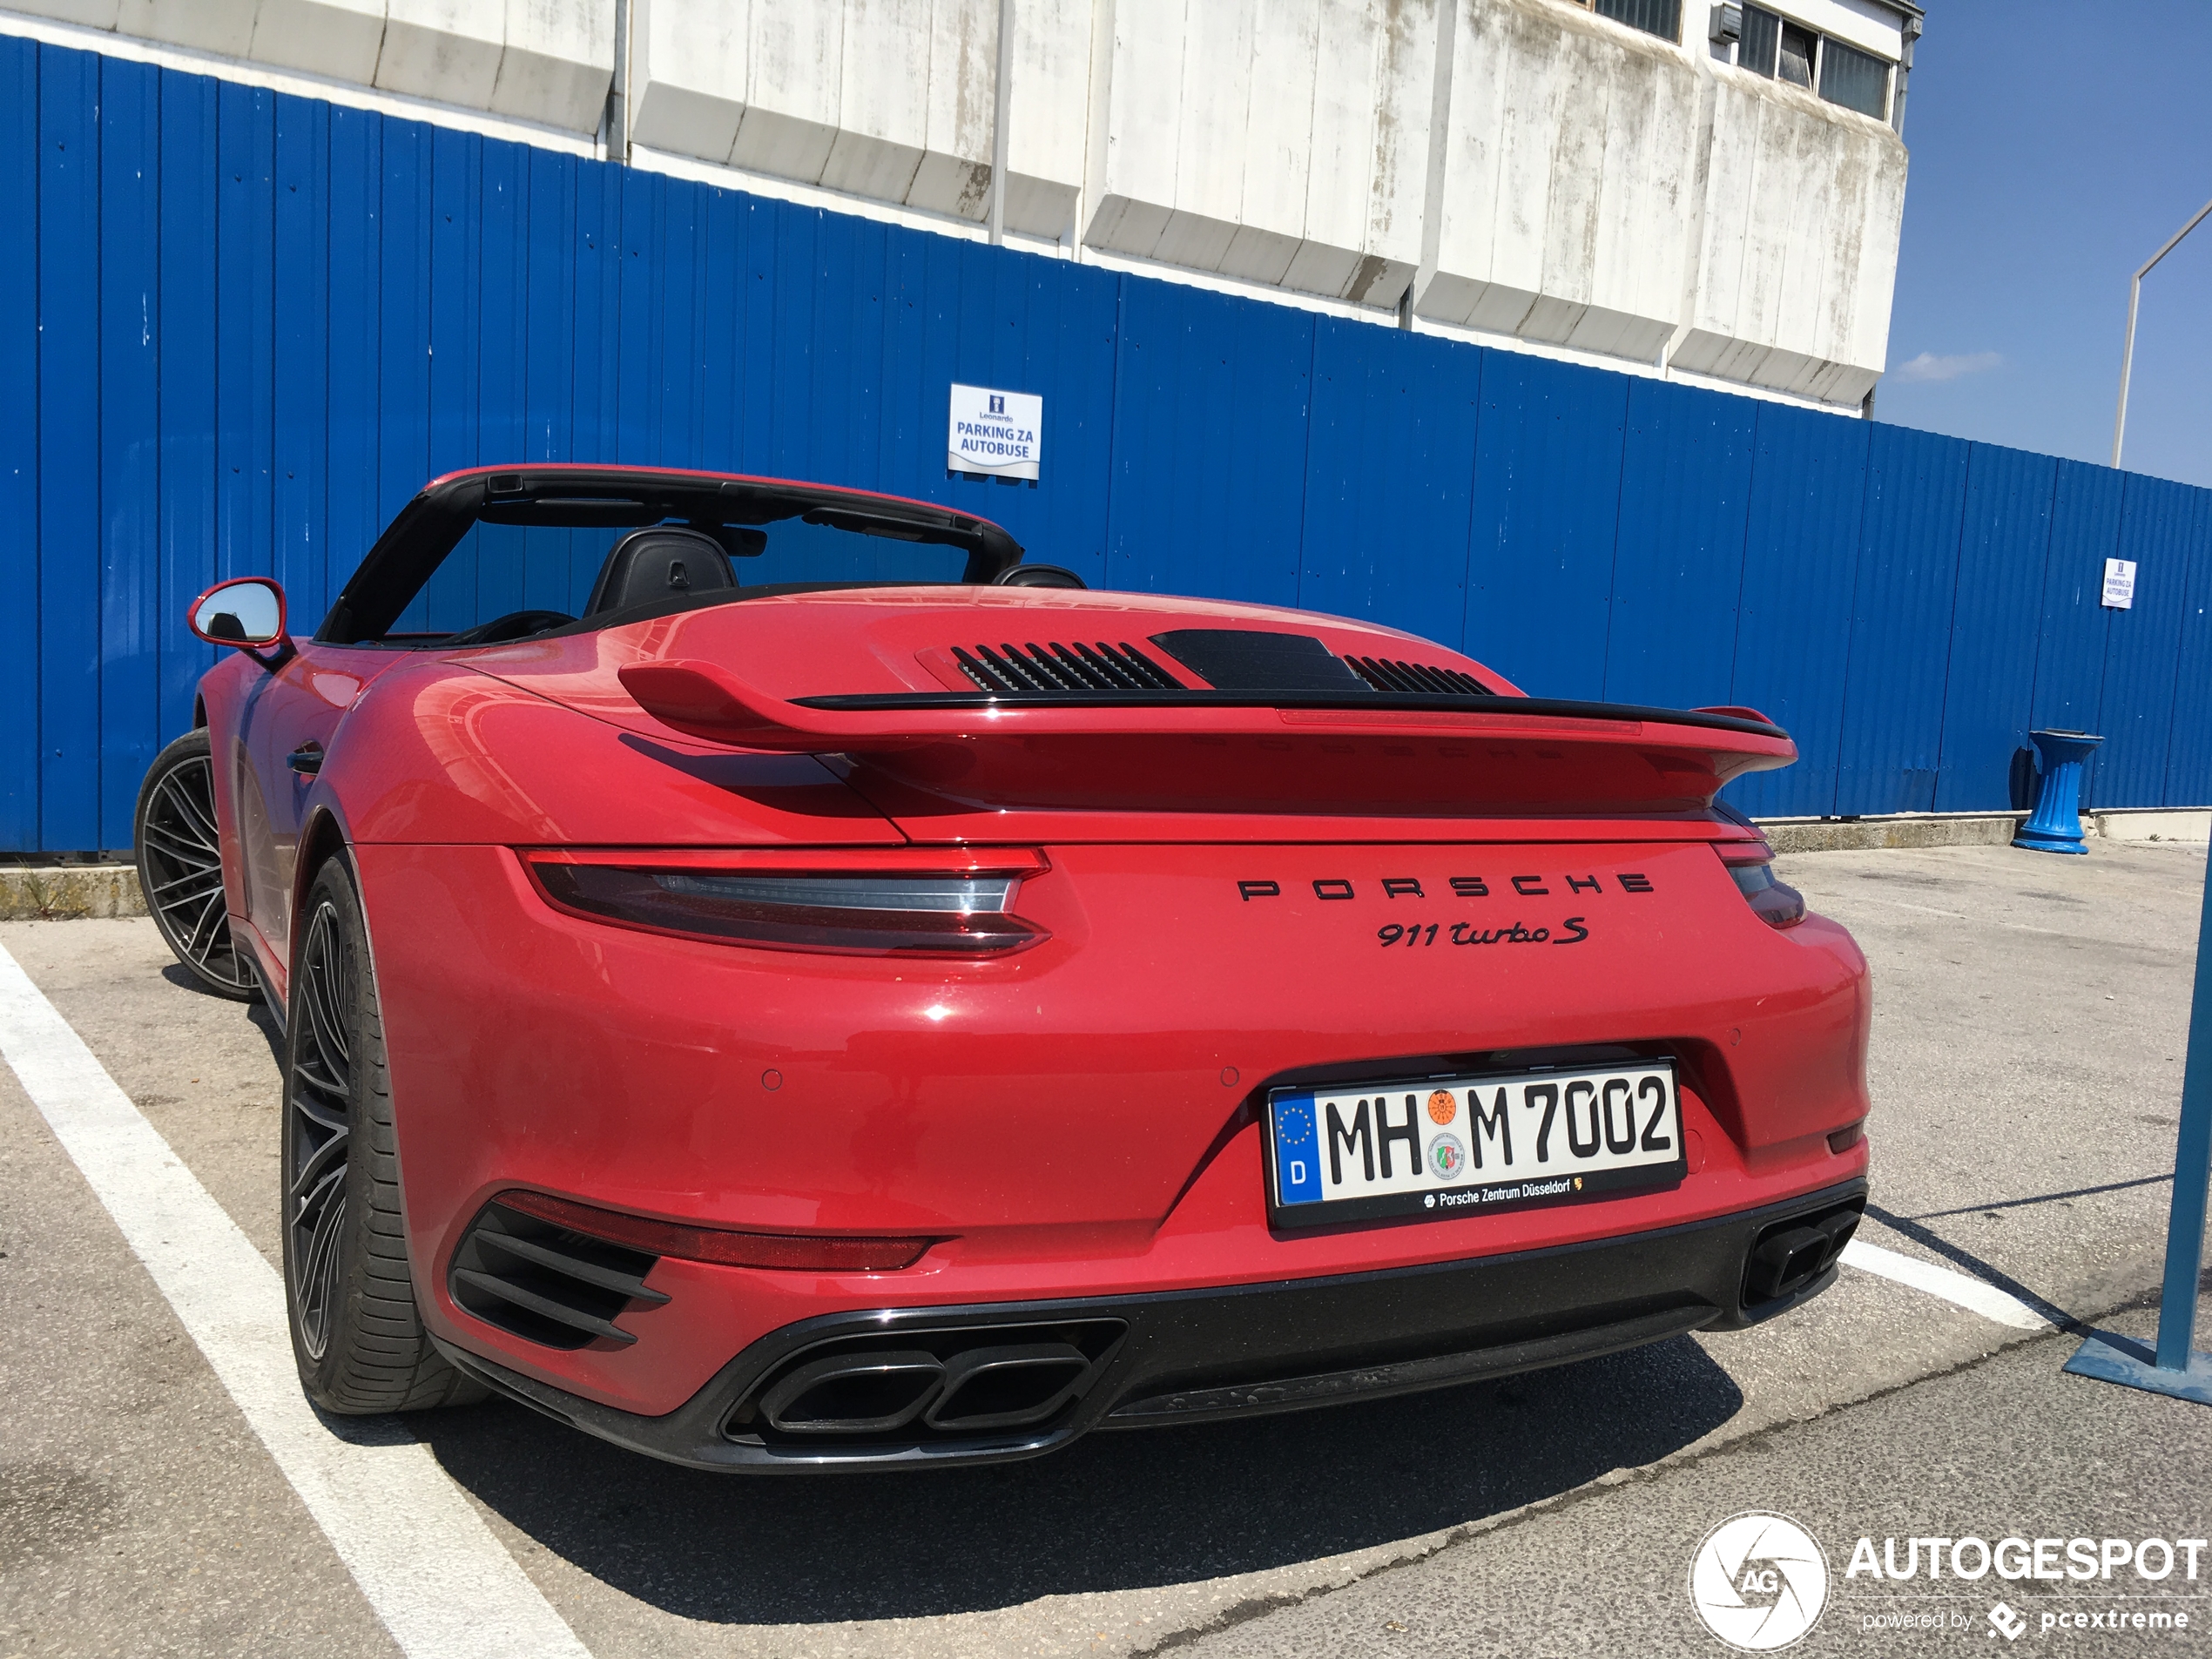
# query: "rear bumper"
1192,1356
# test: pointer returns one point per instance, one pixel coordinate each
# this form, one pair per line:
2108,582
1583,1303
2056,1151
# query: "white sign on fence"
2120,584
998,433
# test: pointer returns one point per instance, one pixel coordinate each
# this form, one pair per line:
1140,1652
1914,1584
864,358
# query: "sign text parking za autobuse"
994,432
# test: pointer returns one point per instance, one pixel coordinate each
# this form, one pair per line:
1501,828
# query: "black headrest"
660,562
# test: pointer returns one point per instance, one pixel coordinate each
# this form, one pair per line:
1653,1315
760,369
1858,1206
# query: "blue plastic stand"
2056,825
2171,1368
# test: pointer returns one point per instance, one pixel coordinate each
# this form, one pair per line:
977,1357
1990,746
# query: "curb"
1910,830
2185,825
69,892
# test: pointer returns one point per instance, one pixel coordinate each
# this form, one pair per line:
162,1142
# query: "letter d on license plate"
1463,1145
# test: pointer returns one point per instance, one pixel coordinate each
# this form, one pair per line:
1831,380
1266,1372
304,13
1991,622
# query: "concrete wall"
1517,170
547,62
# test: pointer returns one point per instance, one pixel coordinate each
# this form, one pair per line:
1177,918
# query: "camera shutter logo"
1758,1582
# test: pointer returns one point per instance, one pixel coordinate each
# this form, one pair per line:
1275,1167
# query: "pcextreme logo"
1758,1582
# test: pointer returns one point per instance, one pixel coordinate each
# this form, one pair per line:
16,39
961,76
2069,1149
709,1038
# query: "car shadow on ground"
1117,1511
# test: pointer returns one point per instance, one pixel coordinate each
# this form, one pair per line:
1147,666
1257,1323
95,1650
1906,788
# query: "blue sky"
2054,148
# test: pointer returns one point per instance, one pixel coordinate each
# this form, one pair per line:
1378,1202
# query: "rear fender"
438,752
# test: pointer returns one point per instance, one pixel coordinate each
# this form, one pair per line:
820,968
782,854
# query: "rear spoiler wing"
707,701
1332,751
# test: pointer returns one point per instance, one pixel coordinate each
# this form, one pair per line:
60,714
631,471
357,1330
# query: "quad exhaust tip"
928,1385
1791,1254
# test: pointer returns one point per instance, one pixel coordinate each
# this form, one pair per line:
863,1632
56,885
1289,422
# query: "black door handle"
306,759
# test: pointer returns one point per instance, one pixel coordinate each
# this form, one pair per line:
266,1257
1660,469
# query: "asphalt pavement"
2031,1014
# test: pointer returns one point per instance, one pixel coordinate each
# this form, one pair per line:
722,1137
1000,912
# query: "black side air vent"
1040,671
1386,674
546,1284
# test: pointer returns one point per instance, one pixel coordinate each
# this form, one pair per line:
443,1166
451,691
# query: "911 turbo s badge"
1571,930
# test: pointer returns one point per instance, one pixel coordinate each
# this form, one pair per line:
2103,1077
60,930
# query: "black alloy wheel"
318,1119
356,1334
180,866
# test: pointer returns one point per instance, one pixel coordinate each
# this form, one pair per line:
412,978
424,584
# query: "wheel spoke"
210,874
191,788
325,1001
319,1275
191,854
320,1169
316,1196
316,1077
325,1116
208,921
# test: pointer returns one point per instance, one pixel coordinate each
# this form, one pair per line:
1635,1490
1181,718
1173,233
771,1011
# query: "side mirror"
247,611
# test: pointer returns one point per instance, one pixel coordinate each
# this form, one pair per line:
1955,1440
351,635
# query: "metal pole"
2192,1168
998,123
2173,1369
2135,294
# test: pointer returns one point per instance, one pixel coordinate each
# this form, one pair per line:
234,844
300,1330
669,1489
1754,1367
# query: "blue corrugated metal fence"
241,330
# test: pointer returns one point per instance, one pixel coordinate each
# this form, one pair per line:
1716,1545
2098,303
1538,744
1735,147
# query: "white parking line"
444,1585
1976,1295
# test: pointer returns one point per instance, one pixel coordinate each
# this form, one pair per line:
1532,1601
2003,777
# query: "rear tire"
180,866
355,1330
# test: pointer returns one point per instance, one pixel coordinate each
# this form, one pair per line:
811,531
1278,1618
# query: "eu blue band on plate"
1298,1160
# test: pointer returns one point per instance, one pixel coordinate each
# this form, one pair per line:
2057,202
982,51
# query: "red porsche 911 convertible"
850,997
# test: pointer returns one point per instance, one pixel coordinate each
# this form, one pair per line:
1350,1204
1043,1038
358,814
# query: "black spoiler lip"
1376,702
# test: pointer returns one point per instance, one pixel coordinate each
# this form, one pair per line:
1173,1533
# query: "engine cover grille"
1386,674
1032,669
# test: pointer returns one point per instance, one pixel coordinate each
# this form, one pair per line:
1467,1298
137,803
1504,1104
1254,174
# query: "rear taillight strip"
1750,865
879,908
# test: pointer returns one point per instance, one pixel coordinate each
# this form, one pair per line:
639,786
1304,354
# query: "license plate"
1456,1146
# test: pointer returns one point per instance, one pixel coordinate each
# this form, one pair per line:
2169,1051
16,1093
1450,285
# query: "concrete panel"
225,26
1569,153
1283,141
1369,172
958,109
884,102
446,49
339,39
92,14
1048,115
791,97
1212,135
689,68
558,63
893,100
1803,208
1136,193
1278,158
